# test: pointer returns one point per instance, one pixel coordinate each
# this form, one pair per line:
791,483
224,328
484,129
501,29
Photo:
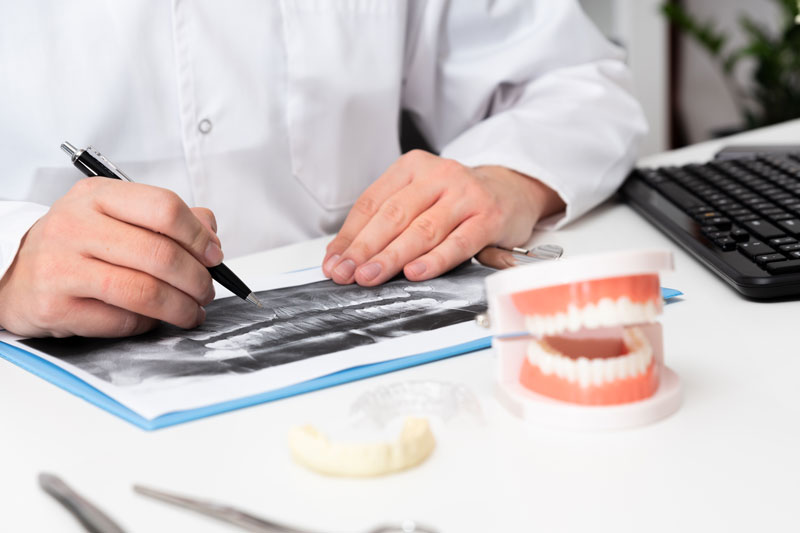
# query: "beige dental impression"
314,450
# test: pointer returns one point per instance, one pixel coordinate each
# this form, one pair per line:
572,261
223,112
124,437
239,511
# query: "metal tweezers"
226,513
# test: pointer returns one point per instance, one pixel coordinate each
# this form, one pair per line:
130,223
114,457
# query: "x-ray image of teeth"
296,323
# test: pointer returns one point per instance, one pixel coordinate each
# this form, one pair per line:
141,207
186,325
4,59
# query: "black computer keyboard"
741,217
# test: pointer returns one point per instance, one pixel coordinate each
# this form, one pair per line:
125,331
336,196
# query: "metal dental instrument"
250,522
543,252
92,518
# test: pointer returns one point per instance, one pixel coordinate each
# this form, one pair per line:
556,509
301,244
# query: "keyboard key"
705,215
721,223
783,267
725,243
783,216
764,230
680,196
739,235
754,248
713,233
796,255
782,240
790,247
791,225
769,258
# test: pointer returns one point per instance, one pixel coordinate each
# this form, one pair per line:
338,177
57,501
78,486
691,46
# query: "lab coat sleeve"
530,85
16,218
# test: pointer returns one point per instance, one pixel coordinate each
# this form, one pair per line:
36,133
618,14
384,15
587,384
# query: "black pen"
93,163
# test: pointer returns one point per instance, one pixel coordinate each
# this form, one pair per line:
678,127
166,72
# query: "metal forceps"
250,522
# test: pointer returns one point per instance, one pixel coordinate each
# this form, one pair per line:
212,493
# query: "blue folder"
70,383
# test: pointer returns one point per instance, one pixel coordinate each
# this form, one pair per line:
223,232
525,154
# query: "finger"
92,318
462,243
397,176
134,291
423,234
207,218
395,216
151,253
494,257
158,210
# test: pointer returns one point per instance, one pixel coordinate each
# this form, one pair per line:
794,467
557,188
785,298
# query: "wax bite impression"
314,450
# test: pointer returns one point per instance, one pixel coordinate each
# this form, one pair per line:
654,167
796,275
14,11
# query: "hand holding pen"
111,259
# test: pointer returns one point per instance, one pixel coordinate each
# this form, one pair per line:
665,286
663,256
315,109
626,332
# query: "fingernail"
201,315
328,265
416,269
370,271
345,269
213,253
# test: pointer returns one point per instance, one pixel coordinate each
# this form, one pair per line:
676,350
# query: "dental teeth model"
577,341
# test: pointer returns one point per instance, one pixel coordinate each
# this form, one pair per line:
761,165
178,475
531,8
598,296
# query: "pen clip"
108,164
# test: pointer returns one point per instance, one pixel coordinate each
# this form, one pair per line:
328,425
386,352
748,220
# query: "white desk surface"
728,460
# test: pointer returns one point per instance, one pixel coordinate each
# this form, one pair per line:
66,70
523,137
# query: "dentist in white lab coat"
281,118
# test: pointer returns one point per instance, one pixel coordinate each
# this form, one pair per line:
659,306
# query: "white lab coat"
278,114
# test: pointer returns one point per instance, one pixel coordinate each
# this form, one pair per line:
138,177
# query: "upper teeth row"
605,313
594,371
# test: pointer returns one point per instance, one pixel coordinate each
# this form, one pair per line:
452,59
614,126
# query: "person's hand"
426,215
110,259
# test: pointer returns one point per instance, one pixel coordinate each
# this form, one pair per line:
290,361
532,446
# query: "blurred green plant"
773,93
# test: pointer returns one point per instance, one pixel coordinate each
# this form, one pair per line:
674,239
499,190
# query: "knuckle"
366,206
137,291
49,311
360,250
85,186
450,168
390,257
426,229
129,325
461,244
338,244
49,228
169,207
475,190
393,212
146,291
164,253
415,156
436,260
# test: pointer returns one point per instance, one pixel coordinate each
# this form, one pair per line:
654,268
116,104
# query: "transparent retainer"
577,343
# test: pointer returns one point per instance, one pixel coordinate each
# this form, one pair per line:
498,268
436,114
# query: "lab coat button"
204,126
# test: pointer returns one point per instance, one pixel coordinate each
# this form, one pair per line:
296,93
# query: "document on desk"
309,329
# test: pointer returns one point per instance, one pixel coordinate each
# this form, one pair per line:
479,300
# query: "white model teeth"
605,313
599,371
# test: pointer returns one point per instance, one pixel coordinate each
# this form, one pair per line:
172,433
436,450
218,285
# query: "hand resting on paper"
426,215
111,259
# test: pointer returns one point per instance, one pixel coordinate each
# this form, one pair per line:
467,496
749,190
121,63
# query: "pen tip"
253,300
